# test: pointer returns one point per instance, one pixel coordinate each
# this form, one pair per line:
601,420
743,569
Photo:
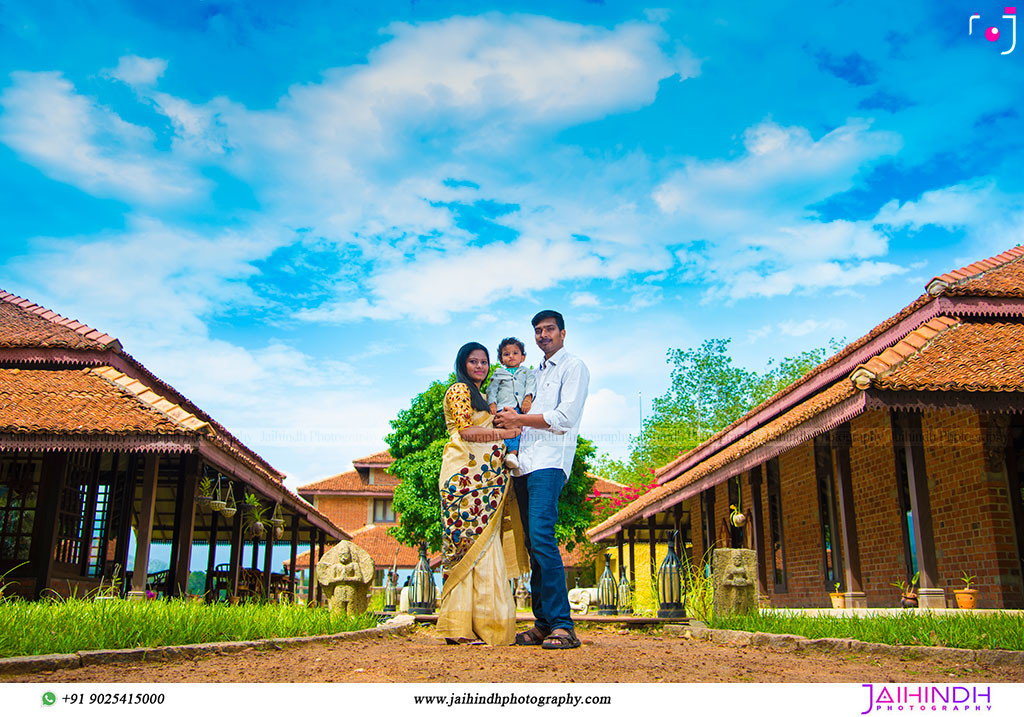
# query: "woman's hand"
510,432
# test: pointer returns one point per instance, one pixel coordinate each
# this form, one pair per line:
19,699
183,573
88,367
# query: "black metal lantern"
625,593
670,585
607,592
422,592
390,592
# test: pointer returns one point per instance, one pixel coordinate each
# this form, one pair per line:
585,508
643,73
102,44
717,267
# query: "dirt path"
606,656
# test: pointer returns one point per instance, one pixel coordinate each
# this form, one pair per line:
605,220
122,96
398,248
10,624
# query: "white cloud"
584,298
138,71
810,326
74,140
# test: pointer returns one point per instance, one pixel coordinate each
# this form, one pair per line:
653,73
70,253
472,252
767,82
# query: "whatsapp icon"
49,698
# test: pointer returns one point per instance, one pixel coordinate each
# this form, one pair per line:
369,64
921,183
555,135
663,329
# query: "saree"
482,544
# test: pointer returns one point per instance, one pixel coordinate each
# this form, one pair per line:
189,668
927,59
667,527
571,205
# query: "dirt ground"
607,655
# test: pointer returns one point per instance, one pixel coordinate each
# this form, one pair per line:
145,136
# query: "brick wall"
877,507
348,512
971,515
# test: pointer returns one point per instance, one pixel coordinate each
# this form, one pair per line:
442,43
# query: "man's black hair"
476,399
549,314
508,342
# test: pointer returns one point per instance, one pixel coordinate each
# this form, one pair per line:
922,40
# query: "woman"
482,547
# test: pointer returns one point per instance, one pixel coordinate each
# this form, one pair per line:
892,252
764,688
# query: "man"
546,451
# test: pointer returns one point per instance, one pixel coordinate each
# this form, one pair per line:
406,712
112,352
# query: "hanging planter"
217,504
276,520
254,520
230,507
278,532
736,516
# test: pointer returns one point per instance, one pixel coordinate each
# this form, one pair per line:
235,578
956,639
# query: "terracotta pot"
966,599
908,600
838,600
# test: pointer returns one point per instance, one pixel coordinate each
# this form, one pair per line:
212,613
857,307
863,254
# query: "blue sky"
296,215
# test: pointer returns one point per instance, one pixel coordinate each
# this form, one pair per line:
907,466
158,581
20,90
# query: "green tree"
707,392
417,441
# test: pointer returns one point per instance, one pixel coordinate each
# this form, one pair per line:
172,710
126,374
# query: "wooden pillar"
920,506
754,479
677,525
632,560
144,532
124,512
294,556
51,487
322,542
188,482
235,561
619,546
268,559
842,441
652,554
211,557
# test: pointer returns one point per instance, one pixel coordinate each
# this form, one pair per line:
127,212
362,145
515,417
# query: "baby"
512,386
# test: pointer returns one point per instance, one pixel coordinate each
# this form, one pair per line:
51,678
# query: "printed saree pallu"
482,546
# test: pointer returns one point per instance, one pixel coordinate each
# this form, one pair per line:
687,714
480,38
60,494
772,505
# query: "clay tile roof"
1001,275
967,357
382,458
604,486
27,325
347,481
374,539
83,401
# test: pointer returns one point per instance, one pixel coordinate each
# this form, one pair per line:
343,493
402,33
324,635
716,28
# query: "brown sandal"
567,641
531,638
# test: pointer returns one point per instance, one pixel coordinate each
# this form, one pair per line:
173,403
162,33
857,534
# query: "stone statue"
733,572
736,575
346,573
580,599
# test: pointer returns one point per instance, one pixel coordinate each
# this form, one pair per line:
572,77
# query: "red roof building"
96,450
901,454
360,502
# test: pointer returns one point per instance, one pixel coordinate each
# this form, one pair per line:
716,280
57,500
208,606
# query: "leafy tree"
417,441
706,394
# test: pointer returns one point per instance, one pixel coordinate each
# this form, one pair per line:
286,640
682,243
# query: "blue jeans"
512,444
537,494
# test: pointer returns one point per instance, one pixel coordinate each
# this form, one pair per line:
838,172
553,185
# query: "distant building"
360,502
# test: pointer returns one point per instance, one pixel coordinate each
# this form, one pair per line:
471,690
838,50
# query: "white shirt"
562,383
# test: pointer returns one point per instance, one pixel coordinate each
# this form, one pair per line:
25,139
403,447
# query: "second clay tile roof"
347,481
27,325
84,401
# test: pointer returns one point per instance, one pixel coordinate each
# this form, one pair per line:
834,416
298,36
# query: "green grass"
1005,632
63,626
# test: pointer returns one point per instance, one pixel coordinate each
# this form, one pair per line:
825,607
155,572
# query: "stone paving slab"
85,658
794,643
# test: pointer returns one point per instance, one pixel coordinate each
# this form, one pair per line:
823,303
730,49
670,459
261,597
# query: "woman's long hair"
476,399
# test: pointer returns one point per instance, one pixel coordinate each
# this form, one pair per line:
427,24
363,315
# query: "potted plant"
838,599
217,504
966,597
736,516
908,592
205,491
254,521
